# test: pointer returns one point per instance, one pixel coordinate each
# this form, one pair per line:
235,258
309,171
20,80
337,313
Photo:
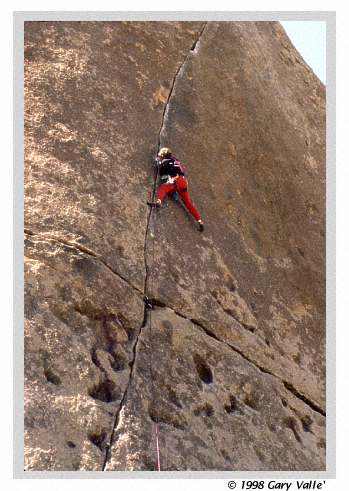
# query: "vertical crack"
122,402
146,292
195,44
163,119
194,49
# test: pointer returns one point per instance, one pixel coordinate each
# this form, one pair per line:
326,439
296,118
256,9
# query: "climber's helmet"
164,152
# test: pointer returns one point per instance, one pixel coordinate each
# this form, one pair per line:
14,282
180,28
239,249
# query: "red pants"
181,186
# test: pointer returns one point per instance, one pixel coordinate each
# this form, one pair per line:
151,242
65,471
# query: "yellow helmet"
164,151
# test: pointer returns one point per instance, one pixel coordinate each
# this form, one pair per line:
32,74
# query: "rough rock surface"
230,364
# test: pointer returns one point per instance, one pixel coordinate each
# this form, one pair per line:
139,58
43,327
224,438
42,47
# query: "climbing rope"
151,289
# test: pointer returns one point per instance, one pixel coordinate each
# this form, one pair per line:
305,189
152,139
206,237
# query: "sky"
309,38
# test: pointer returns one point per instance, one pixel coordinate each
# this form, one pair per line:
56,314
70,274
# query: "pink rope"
157,446
150,325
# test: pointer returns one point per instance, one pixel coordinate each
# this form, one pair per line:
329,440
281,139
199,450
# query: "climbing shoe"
201,225
154,204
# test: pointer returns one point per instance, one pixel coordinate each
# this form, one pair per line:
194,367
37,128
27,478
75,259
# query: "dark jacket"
170,166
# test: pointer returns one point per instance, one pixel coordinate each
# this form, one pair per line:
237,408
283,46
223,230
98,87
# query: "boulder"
226,371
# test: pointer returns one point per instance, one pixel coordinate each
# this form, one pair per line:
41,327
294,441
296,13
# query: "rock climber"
172,177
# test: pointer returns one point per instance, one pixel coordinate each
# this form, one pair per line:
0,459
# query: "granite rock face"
229,366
